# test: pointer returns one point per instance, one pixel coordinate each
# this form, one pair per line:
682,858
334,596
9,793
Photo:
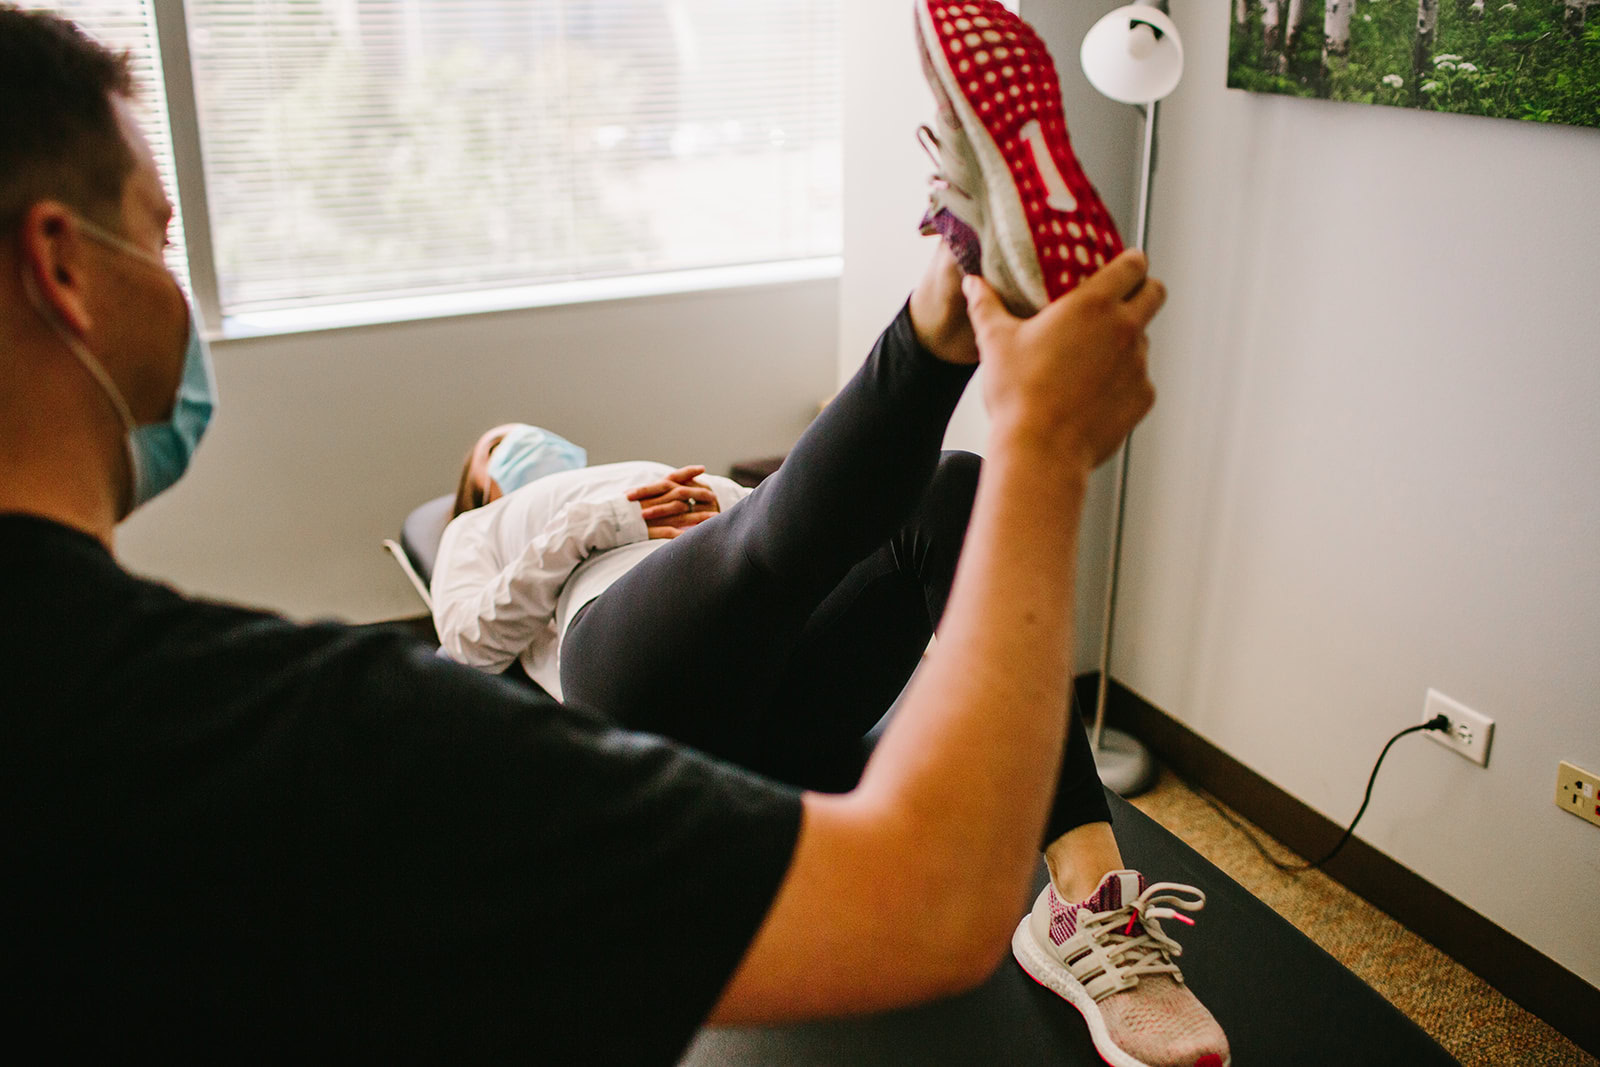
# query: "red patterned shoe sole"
1002,80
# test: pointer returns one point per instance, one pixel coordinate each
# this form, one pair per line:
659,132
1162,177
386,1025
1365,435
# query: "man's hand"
675,503
1074,376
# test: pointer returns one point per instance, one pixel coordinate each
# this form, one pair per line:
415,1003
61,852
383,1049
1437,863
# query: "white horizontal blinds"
369,148
130,25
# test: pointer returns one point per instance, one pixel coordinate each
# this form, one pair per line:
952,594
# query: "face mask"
159,452
527,453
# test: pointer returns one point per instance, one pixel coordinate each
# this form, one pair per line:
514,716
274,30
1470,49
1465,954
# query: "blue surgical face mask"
159,452
162,450
527,453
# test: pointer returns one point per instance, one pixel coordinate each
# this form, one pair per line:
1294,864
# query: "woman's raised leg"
692,639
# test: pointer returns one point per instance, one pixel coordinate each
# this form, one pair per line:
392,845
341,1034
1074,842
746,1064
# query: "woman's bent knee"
955,482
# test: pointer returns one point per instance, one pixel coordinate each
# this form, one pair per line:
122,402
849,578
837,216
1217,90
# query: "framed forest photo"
1536,60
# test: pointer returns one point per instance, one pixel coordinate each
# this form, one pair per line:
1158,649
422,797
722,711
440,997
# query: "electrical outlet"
1578,791
1469,734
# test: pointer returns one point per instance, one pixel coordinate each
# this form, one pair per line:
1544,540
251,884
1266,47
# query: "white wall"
1373,469
886,190
324,441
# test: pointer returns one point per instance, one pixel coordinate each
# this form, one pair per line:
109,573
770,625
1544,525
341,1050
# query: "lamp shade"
1133,55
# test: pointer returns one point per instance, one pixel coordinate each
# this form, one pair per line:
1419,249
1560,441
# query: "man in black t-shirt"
226,832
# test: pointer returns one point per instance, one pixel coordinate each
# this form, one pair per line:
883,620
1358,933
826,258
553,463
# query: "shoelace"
947,191
1137,955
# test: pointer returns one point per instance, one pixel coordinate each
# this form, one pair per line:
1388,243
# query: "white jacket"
510,575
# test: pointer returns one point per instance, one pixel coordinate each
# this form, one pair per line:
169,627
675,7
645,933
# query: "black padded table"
1283,1001
422,531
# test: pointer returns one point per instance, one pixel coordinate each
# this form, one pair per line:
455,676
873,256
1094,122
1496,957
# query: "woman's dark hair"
59,137
468,496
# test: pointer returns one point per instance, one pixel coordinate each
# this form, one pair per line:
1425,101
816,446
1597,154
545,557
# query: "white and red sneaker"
1109,958
1009,196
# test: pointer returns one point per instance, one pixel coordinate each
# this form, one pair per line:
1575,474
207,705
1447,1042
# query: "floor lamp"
1134,56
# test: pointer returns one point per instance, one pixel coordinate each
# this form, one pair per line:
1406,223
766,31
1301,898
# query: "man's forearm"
971,757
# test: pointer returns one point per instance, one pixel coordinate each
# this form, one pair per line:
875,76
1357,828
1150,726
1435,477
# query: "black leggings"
777,635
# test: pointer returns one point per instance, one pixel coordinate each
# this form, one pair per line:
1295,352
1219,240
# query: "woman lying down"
541,546
510,578
770,627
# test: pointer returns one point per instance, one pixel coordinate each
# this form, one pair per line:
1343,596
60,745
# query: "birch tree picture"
1536,60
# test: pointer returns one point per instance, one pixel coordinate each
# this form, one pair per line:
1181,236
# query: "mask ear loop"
121,244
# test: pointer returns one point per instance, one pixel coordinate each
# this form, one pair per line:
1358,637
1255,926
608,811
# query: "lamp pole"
1121,59
1125,766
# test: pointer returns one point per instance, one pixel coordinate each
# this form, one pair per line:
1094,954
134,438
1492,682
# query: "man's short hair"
59,137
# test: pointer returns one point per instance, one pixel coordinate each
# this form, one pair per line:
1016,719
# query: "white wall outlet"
1578,791
1469,734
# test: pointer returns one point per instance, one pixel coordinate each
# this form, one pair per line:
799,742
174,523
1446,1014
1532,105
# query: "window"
357,149
375,150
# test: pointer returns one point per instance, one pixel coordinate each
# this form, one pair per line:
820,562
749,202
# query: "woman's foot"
939,311
1108,957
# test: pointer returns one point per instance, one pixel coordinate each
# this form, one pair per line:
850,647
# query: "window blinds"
357,149
130,25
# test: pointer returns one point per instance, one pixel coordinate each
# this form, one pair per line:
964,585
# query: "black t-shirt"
225,831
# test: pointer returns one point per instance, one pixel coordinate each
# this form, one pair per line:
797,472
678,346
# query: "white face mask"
528,453
158,453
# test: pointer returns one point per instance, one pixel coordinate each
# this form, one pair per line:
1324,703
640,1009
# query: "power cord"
1438,722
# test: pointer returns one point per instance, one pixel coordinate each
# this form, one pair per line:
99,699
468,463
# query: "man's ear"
52,248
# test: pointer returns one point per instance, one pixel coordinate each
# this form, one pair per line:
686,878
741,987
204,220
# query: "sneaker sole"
1038,965
1053,229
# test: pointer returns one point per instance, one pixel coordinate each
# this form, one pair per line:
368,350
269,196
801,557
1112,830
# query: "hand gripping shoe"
1008,196
1109,958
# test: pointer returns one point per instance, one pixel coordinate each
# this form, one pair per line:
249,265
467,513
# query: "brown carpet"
1463,1013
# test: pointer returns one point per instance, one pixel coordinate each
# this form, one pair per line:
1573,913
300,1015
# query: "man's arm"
909,887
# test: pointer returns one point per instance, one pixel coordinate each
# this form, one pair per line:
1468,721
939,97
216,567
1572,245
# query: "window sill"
520,298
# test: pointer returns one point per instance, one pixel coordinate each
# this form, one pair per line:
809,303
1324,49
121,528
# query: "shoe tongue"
961,238
1116,889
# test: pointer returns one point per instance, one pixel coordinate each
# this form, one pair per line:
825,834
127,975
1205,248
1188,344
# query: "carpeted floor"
1462,1012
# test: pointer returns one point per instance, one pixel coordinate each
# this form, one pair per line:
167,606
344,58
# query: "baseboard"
1519,971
